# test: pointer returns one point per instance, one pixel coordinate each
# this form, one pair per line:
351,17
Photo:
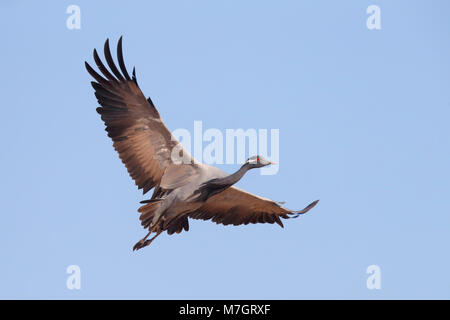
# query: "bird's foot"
141,244
304,210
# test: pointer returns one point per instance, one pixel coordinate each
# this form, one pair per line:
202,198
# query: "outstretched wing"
139,135
235,206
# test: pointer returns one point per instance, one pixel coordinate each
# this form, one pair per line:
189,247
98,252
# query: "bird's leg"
147,242
140,243
144,242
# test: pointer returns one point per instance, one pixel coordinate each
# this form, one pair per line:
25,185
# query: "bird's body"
183,188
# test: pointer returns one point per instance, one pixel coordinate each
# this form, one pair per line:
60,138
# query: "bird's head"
258,162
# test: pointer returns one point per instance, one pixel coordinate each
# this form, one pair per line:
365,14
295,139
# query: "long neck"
217,185
234,177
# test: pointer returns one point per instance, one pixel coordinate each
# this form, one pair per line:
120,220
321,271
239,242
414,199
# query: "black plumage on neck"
217,185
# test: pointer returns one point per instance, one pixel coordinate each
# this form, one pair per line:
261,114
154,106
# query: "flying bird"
183,187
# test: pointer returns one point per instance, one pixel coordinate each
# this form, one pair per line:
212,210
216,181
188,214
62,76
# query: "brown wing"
139,136
235,206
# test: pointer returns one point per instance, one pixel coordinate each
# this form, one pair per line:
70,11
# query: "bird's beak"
272,162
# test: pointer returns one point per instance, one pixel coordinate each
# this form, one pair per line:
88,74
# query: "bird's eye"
257,159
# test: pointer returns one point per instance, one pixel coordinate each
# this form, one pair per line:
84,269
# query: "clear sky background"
364,127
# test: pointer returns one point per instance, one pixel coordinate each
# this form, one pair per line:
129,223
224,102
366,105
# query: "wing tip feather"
121,60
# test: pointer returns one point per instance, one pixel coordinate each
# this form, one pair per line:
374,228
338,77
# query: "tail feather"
147,212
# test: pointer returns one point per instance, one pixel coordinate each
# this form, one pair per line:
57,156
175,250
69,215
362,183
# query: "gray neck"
217,185
233,178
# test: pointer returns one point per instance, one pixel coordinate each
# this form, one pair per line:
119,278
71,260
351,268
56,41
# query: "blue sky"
363,118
